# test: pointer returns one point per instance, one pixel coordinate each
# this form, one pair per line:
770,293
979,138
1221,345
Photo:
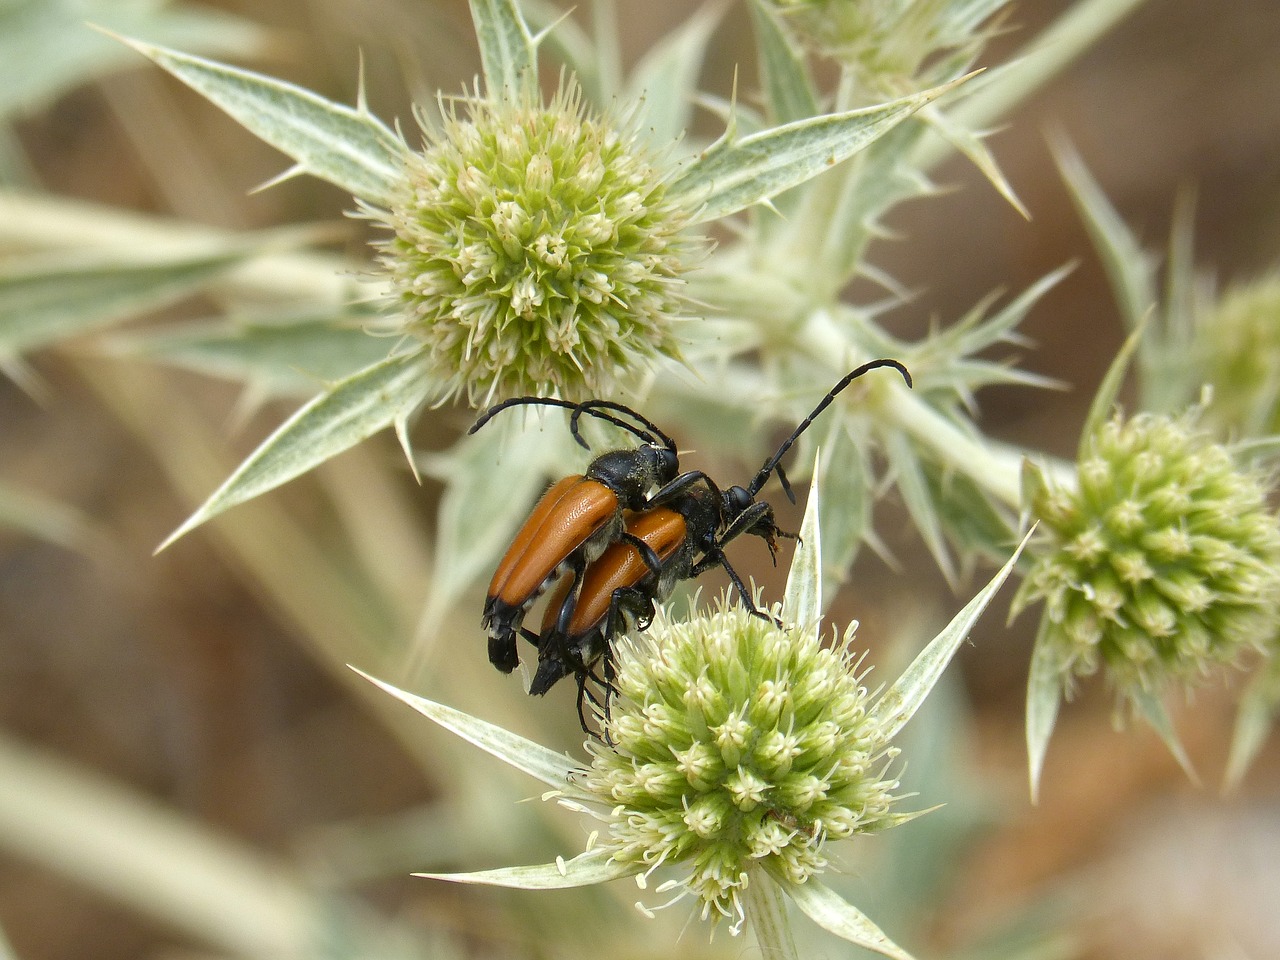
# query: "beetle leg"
714,557
747,521
646,552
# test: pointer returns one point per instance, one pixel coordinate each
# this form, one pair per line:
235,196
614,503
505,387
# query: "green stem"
995,467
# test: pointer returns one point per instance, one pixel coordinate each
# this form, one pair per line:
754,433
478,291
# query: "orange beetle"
573,522
680,535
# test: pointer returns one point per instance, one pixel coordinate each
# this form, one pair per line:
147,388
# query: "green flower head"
735,748
534,250
1164,562
734,744
1240,338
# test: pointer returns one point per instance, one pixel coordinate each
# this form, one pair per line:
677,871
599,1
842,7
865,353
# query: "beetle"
685,527
573,522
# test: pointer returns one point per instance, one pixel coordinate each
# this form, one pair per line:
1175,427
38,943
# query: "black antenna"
771,464
588,406
577,409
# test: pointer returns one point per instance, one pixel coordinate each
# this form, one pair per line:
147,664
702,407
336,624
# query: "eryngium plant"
735,751
1165,559
1162,562
536,247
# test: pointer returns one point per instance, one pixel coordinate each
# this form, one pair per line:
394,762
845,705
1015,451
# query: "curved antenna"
588,406
771,465
577,409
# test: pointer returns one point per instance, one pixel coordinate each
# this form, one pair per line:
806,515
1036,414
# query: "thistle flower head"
1240,338
738,744
1164,561
534,250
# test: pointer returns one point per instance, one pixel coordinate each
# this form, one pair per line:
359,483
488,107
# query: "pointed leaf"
283,358
847,507
1129,267
973,519
765,911
1151,709
666,78
1104,400
48,301
784,75
900,702
45,50
1030,68
734,174
828,910
802,601
909,475
583,870
508,52
348,147
553,769
348,412
971,144
1044,696
566,42
1253,722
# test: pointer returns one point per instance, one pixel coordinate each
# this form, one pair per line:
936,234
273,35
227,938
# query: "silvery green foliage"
784,274
1197,582
737,751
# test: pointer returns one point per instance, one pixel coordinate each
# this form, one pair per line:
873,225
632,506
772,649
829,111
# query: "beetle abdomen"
569,526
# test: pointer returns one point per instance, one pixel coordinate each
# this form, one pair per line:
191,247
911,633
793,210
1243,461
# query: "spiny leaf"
1130,268
346,146
339,418
285,357
900,702
583,870
828,910
971,144
508,52
788,88
47,300
553,769
802,600
735,173
909,476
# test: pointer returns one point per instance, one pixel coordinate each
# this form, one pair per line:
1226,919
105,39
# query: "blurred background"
202,690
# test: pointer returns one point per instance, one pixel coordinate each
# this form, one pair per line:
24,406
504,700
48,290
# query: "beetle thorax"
631,474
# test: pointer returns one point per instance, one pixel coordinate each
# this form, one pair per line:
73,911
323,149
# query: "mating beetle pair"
616,548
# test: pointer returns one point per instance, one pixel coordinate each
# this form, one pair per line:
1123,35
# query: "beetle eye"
668,461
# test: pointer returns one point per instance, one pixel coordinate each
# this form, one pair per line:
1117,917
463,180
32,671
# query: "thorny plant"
556,243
